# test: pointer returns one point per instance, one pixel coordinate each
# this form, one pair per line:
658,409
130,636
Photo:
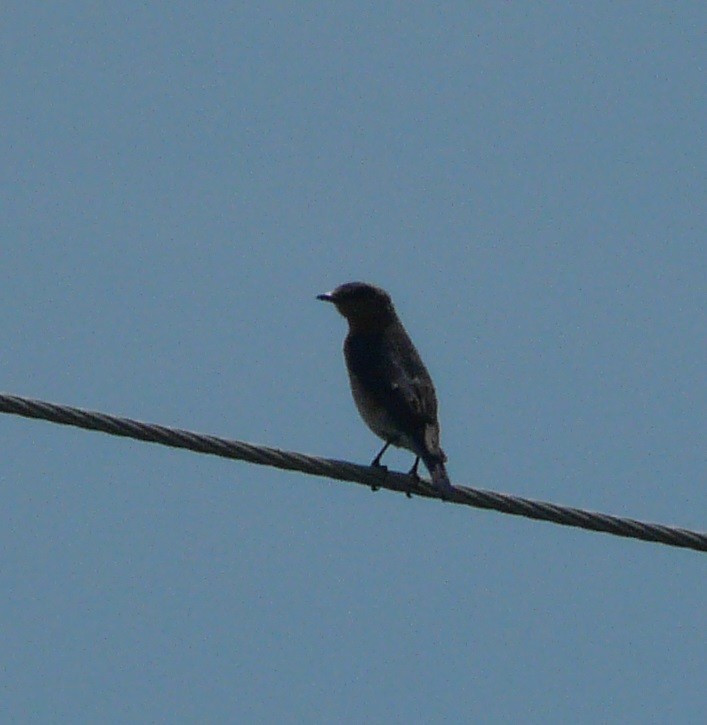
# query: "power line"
345,471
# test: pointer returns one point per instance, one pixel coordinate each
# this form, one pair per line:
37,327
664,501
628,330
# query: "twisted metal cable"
345,471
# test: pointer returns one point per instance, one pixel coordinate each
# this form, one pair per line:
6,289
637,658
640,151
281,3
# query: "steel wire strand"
346,471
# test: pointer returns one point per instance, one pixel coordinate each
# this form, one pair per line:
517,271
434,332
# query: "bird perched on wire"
390,384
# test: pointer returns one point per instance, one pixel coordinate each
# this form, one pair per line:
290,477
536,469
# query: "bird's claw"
375,463
414,475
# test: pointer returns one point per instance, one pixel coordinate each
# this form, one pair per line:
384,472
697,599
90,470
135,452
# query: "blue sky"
179,182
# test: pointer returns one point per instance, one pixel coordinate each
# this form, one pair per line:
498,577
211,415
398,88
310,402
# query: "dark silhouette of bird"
390,384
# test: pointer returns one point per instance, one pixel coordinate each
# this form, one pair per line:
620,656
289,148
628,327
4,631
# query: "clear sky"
179,180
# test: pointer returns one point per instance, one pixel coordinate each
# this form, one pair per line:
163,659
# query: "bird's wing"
392,372
410,377
417,395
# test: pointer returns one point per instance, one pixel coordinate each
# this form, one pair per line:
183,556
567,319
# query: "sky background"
179,180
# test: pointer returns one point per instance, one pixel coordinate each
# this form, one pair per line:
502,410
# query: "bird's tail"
438,472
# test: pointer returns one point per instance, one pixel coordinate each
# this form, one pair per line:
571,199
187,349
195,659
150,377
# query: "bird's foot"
375,463
413,474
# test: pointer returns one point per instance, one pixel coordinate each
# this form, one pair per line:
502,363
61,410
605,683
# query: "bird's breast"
376,416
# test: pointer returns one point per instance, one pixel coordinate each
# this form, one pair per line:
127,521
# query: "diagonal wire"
345,471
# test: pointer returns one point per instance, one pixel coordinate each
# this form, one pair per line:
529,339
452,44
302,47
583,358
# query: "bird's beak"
326,297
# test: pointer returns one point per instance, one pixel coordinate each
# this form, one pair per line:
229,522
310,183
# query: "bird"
390,384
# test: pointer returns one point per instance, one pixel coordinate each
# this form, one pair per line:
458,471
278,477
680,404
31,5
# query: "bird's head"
362,304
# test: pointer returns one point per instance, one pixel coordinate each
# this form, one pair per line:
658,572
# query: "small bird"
390,384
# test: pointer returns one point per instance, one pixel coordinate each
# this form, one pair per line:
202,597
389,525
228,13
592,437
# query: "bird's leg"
413,472
376,462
